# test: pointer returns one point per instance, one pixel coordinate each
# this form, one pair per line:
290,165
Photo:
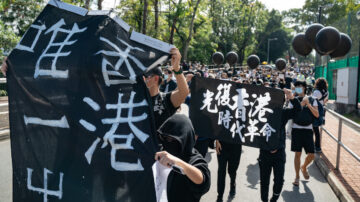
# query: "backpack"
321,120
304,117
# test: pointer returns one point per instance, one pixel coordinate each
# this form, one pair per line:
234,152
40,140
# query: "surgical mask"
166,76
299,90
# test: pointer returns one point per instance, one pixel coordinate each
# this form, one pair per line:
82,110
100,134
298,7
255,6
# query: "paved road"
248,181
248,184
5,172
248,187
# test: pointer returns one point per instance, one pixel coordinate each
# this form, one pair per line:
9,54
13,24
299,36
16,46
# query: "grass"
353,116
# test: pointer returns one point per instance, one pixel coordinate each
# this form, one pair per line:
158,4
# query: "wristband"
179,72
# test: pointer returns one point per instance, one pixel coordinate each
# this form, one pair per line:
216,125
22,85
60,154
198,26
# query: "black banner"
236,113
80,122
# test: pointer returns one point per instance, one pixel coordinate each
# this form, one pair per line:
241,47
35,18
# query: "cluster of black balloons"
253,61
231,58
325,40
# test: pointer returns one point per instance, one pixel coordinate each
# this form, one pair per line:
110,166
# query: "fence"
338,139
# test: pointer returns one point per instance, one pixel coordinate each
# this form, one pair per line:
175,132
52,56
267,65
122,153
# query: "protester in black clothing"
178,139
169,84
227,155
275,159
165,104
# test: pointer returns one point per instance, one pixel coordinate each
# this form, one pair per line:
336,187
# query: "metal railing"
338,140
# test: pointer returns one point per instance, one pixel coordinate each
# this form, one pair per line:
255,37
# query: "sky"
280,5
283,5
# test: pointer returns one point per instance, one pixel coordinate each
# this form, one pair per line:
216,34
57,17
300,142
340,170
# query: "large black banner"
80,121
236,113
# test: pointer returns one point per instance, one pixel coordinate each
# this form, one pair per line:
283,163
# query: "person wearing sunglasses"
166,104
190,176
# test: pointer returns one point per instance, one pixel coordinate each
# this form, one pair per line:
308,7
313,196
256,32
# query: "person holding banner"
275,159
166,104
302,131
191,179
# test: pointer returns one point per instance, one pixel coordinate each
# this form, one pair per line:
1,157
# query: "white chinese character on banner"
207,102
225,119
242,102
111,136
124,56
266,130
223,96
39,28
45,191
260,108
236,129
55,29
253,130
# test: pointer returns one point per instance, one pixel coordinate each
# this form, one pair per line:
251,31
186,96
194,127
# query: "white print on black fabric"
207,102
238,105
225,119
55,29
158,107
111,136
124,57
61,123
40,28
45,190
266,130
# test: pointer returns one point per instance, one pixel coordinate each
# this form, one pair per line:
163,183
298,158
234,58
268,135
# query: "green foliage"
3,93
273,29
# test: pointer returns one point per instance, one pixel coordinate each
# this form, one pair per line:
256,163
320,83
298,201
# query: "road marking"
1,113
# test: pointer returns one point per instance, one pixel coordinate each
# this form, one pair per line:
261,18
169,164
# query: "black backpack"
304,117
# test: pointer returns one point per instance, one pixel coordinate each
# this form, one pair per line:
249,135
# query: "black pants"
229,156
268,162
317,137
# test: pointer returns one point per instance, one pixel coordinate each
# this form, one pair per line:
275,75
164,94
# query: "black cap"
153,71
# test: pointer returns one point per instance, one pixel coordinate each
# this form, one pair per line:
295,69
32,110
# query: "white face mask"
299,90
166,76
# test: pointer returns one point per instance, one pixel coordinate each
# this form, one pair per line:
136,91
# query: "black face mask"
173,148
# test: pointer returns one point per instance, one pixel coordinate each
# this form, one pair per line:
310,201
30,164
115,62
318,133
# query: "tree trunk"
99,4
187,43
156,5
87,4
145,11
174,23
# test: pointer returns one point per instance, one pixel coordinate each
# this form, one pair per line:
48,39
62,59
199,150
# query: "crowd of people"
169,88
305,98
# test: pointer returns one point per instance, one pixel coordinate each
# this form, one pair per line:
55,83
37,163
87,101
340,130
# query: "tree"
273,29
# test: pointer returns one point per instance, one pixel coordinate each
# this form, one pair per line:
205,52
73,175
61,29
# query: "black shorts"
302,138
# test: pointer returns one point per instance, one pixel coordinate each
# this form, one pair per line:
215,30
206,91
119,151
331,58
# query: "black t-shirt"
168,86
163,108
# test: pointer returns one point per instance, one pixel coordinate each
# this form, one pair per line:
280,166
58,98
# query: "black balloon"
280,64
327,40
231,58
311,33
218,58
301,45
343,48
253,61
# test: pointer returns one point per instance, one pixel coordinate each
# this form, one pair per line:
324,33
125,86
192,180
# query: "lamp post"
268,51
358,72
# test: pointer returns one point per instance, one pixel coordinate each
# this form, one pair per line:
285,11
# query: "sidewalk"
349,167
